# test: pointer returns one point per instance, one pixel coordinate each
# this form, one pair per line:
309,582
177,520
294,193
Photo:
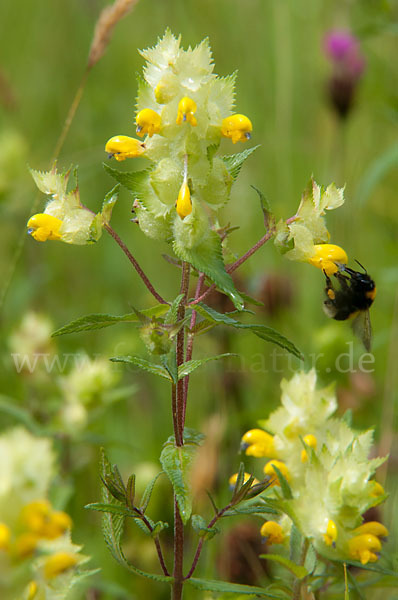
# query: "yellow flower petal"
272,531
184,203
43,227
326,256
148,122
186,109
59,563
123,146
237,127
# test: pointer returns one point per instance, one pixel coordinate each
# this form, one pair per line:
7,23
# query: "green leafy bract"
143,364
207,258
234,162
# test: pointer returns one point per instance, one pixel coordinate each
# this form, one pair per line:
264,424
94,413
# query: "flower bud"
184,203
148,122
59,563
237,127
32,590
123,146
326,256
186,109
43,227
272,532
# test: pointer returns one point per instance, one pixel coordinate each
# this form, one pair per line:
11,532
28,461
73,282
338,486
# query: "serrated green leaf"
230,588
109,202
112,527
296,543
171,316
201,528
132,180
298,571
146,496
190,366
169,361
285,487
262,331
192,436
101,320
113,509
158,527
177,462
234,162
143,364
207,258
265,207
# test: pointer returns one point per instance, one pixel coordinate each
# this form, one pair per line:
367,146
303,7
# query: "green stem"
298,583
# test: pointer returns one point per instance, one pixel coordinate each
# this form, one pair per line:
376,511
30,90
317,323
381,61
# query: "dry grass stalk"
106,23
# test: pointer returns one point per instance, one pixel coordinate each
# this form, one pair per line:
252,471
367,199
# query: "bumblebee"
351,299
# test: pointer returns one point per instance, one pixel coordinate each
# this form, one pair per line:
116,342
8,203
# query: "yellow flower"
270,471
34,515
237,127
258,443
32,590
184,203
326,256
57,523
26,544
59,563
5,535
123,146
148,121
311,441
331,533
233,479
378,489
272,531
364,547
186,110
43,227
373,527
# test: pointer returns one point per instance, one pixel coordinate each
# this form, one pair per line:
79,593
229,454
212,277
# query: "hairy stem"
191,336
201,541
135,264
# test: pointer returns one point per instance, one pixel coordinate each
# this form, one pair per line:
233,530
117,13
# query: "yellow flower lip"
270,471
43,227
148,122
330,536
364,547
272,532
123,146
373,527
311,441
186,109
237,127
327,257
258,443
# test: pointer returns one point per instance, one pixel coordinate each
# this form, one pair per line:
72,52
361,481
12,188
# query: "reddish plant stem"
236,264
188,354
157,544
180,351
176,593
135,264
174,411
201,541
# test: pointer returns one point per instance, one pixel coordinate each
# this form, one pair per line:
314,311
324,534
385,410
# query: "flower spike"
148,122
123,146
237,127
186,109
43,227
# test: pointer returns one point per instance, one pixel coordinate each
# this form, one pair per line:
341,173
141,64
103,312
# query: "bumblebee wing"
363,328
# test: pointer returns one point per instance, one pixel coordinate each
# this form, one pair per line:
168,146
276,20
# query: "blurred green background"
277,48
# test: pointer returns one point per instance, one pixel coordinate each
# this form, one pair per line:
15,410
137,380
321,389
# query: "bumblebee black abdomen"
355,292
